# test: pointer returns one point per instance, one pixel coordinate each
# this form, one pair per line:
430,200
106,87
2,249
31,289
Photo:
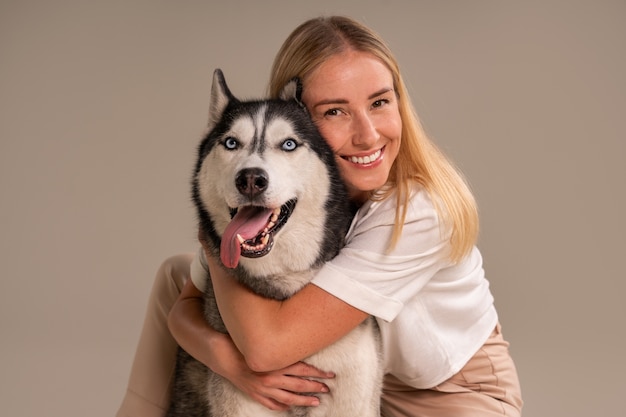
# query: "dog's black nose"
251,182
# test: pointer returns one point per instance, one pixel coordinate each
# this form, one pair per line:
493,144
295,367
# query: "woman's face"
352,101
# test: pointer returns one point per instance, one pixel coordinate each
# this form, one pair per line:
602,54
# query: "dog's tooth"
265,239
240,238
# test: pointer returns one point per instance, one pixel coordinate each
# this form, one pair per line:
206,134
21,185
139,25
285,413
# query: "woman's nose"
364,131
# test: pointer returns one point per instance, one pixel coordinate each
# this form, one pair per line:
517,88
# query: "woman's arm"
273,334
189,327
275,390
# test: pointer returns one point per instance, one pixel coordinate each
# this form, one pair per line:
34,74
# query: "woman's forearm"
273,334
277,390
237,304
192,332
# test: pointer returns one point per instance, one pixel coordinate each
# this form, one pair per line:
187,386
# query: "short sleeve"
368,276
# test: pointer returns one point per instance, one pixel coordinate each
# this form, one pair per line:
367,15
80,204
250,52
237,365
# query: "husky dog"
273,208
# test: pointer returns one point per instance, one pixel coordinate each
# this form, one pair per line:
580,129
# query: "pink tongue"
248,222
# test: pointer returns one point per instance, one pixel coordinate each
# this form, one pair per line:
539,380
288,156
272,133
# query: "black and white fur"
268,153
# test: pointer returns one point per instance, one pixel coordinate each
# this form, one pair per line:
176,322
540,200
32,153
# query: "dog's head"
265,183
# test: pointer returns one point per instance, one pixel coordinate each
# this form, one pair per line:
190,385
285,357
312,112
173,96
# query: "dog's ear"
220,97
292,91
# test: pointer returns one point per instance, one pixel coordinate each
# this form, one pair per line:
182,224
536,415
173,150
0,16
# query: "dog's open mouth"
251,230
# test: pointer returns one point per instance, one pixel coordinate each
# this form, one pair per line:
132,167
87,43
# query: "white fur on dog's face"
294,170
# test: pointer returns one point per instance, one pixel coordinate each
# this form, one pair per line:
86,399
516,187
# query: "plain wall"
102,104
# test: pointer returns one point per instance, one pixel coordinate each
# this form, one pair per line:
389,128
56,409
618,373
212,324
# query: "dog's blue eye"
289,145
231,143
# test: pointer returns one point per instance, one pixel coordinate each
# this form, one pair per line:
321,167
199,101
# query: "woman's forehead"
348,73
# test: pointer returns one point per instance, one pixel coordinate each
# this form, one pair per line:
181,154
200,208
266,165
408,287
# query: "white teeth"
272,221
251,248
264,241
265,237
365,159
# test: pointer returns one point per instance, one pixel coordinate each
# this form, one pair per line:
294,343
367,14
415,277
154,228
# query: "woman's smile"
365,160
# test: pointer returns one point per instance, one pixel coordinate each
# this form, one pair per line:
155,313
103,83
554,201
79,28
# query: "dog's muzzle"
251,232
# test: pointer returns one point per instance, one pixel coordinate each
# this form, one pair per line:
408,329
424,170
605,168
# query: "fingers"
303,385
270,403
303,370
281,392
299,378
283,400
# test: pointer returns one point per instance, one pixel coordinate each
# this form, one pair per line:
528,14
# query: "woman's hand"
277,390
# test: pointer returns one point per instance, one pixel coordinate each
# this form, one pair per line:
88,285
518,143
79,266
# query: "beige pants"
487,386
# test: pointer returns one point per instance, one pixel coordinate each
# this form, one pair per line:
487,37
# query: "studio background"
102,104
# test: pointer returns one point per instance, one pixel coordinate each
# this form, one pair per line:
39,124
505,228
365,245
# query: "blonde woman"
410,261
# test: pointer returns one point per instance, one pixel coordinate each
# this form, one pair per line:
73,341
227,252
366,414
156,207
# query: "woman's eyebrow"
331,101
380,92
345,101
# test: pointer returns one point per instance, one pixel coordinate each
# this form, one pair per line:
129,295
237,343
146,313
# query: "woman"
410,260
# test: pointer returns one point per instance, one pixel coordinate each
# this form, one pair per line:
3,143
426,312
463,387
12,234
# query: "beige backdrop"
102,104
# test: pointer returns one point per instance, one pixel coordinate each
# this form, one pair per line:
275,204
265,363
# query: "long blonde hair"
419,159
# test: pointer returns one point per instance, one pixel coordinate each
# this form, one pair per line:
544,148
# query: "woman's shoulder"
385,204
378,217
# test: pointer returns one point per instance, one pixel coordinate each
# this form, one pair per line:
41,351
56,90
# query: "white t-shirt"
433,315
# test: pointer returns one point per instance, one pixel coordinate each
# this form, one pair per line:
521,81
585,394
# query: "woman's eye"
331,112
231,143
379,103
289,145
